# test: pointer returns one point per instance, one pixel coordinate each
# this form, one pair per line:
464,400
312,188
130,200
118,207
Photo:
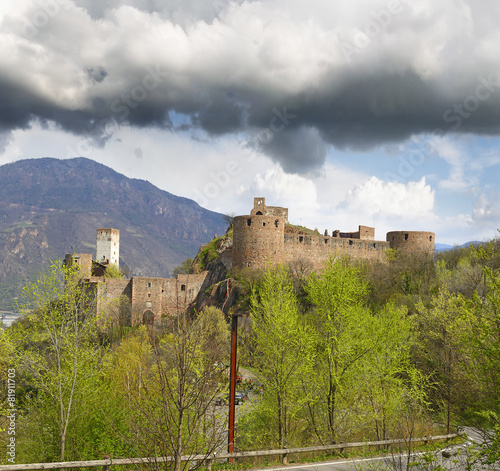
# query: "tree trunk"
331,409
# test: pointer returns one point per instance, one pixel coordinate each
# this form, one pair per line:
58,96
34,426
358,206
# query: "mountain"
442,247
466,245
50,207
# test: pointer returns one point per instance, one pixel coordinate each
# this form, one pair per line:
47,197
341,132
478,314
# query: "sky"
383,113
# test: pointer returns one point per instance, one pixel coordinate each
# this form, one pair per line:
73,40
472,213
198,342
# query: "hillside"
50,207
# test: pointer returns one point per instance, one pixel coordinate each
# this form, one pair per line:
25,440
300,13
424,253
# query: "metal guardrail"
284,452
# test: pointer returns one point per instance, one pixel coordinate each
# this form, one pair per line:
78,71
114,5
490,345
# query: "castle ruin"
262,238
140,299
265,237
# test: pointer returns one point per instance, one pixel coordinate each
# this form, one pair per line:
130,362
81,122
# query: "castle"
140,299
265,237
262,238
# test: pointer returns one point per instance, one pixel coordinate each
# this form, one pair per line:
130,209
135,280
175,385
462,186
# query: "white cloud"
376,197
281,189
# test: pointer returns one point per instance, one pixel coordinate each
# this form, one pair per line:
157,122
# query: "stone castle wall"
317,249
137,300
257,240
412,241
260,239
83,260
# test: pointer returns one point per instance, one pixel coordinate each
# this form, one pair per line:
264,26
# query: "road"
452,458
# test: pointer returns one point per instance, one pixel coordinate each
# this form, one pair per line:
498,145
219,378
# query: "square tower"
108,246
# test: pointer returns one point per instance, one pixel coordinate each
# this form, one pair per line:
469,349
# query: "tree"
55,348
339,319
283,353
112,271
402,277
391,387
168,385
184,268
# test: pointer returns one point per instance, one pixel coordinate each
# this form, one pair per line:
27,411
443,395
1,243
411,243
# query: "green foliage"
337,362
284,355
112,271
403,278
54,349
184,268
302,229
208,253
339,320
167,386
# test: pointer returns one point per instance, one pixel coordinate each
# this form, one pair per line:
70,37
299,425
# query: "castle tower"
412,241
108,246
258,239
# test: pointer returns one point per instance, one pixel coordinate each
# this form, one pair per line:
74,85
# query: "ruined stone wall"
366,233
147,297
317,249
260,209
257,241
82,260
114,299
179,293
412,241
163,296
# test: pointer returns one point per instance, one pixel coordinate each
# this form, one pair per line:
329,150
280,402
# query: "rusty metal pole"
232,386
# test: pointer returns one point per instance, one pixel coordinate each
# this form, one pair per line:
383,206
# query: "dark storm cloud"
352,77
296,149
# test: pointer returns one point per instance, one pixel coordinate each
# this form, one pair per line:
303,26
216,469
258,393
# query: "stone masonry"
264,237
139,299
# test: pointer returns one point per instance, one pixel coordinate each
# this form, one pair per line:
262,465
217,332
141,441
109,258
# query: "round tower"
411,241
258,240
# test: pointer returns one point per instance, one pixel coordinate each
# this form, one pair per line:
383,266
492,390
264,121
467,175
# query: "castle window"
374,246
276,223
264,224
406,236
149,295
183,287
326,241
351,242
301,239
430,238
393,238
149,284
249,221
259,213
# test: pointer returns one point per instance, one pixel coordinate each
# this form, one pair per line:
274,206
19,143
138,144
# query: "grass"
303,229
208,252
